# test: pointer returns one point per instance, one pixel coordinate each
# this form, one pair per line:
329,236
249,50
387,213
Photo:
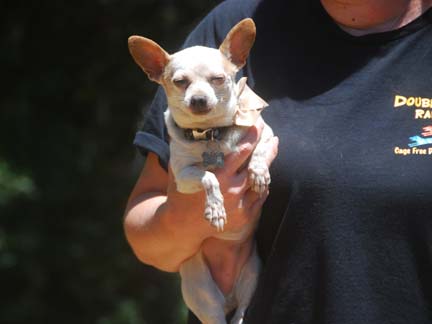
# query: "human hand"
242,205
243,202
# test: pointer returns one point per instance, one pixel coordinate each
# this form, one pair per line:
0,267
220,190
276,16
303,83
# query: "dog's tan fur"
209,74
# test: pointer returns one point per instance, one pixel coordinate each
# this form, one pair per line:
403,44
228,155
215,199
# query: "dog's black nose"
199,104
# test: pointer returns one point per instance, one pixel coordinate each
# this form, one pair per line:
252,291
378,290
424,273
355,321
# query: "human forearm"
160,234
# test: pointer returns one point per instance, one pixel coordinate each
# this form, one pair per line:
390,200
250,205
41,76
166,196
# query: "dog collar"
209,134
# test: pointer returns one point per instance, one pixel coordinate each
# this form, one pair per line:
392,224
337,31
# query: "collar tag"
213,159
213,156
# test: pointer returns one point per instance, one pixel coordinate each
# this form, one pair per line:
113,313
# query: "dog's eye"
181,83
217,80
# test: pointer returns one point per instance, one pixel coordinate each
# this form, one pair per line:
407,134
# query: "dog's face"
199,81
200,86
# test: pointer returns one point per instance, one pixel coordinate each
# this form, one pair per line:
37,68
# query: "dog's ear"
149,56
238,42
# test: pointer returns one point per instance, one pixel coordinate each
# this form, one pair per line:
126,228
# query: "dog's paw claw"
216,215
259,178
237,319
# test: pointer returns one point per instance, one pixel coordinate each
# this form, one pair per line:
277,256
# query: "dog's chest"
210,153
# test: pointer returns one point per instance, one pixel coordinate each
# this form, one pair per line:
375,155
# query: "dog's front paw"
214,210
215,213
259,177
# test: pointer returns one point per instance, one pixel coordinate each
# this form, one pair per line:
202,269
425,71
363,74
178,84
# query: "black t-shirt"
346,233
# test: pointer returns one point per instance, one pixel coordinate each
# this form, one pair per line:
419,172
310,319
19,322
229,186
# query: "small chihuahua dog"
208,113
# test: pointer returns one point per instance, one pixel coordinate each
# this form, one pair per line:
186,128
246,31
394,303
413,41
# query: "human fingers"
246,145
246,210
239,182
250,137
272,150
252,200
236,184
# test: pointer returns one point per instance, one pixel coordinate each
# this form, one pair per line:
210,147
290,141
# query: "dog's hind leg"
245,286
200,292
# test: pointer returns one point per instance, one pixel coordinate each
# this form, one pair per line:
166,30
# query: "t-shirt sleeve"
153,136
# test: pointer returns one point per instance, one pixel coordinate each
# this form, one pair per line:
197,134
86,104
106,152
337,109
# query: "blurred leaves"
71,100
13,184
126,312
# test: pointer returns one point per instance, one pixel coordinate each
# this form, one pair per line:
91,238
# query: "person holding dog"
345,232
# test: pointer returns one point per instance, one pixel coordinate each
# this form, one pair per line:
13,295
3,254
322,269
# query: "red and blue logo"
424,139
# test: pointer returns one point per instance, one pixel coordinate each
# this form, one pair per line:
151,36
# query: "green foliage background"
71,100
